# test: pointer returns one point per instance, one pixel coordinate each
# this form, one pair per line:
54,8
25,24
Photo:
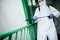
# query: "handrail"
4,35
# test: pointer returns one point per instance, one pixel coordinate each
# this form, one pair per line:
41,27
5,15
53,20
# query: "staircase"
25,34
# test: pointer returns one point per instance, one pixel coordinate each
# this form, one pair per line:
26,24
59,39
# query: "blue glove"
35,18
51,16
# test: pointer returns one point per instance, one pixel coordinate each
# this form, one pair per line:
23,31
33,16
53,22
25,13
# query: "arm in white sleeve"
54,11
36,14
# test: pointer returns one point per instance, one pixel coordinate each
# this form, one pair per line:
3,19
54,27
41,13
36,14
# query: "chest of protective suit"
44,11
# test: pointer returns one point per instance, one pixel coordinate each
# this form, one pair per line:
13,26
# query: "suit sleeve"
54,11
36,14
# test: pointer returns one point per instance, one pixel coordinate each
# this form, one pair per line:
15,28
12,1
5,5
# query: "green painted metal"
21,35
30,26
24,35
26,9
29,14
16,35
10,33
10,37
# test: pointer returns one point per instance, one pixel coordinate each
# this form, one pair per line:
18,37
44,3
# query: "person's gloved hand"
35,18
51,16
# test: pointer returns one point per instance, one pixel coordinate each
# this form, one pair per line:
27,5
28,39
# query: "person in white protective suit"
44,18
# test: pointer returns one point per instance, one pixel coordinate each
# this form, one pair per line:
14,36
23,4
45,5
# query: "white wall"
11,15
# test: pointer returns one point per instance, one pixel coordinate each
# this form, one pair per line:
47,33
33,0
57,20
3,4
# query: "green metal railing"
28,11
24,34
30,29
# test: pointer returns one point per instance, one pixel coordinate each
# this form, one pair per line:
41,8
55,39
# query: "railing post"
10,37
24,34
21,35
16,35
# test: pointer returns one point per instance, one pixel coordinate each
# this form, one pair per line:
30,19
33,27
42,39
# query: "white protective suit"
45,26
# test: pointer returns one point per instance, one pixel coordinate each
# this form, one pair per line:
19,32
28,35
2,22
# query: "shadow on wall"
57,6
